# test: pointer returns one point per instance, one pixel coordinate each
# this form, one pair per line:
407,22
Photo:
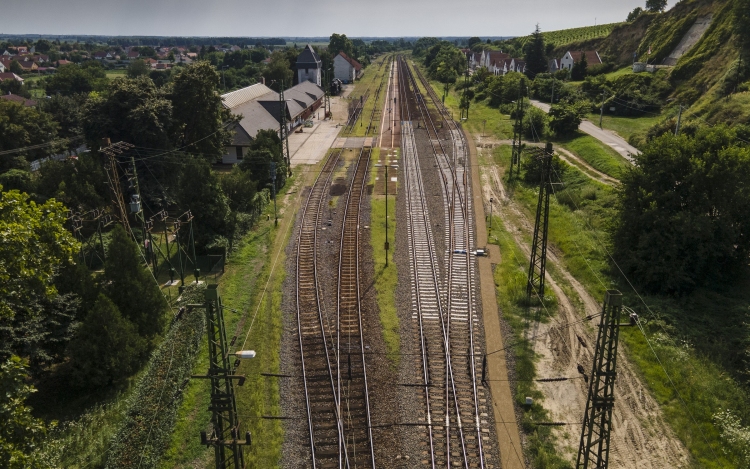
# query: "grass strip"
386,278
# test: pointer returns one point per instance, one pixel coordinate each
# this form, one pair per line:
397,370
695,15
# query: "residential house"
261,110
308,66
235,48
28,65
6,53
2,67
10,76
133,54
22,50
572,57
19,99
345,68
104,55
62,62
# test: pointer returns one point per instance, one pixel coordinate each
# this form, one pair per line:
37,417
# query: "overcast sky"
306,17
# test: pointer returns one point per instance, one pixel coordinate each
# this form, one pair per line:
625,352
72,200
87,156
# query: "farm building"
259,107
345,68
308,66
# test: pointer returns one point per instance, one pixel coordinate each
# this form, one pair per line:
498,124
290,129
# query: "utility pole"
386,246
327,100
110,150
283,130
273,192
601,112
515,158
593,451
538,262
136,207
225,436
465,96
552,101
490,230
679,120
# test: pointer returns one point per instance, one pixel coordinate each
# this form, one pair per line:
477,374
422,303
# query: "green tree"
263,150
15,67
80,184
200,120
578,72
633,15
656,5
131,287
473,41
33,245
13,86
534,53
340,43
565,118
532,165
258,54
107,348
138,68
133,110
535,123
22,126
279,70
199,190
21,435
742,24
682,212
70,79
240,189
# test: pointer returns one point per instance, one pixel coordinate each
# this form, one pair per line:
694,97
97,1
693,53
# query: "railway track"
332,348
449,314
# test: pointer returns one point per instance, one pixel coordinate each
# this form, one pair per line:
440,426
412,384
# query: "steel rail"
464,203
348,254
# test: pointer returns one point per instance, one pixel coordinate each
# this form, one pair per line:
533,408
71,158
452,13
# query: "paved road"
607,137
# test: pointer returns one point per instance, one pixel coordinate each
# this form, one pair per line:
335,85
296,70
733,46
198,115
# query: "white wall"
343,70
312,74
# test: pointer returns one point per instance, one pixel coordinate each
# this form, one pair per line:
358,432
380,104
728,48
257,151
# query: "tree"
22,126
133,110
279,71
263,150
682,212
533,166
258,54
565,118
340,43
33,245
15,67
741,24
138,68
131,287
578,72
240,189
21,435
71,79
13,86
107,348
534,53
80,184
473,41
633,15
200,192
200,119
656,5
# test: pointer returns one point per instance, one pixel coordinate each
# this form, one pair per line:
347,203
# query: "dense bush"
565,118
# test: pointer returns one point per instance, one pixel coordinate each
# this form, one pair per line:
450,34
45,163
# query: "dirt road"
641,438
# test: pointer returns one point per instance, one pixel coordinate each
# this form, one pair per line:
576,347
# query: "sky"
288,18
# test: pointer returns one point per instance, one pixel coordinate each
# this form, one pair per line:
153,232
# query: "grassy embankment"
386,278
595,153
251,292
694,339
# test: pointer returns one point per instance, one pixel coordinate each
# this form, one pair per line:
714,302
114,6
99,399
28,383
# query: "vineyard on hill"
568,36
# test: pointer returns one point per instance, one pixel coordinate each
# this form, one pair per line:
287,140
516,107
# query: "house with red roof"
572,57
18,99
10,76
345,68
133,54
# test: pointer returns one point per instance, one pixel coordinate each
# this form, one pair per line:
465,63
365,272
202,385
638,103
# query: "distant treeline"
147,40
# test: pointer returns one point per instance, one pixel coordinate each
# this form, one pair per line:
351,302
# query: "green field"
595,153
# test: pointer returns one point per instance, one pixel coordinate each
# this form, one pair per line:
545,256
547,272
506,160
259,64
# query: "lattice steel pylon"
226,426
515,158
538,261
284,130
593,451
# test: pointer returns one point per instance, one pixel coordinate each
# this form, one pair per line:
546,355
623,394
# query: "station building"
260,109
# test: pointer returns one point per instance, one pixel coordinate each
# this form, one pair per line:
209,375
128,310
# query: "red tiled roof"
592,58
19,99
10,76
357,66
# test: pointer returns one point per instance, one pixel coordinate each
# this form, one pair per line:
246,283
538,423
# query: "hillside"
573,35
